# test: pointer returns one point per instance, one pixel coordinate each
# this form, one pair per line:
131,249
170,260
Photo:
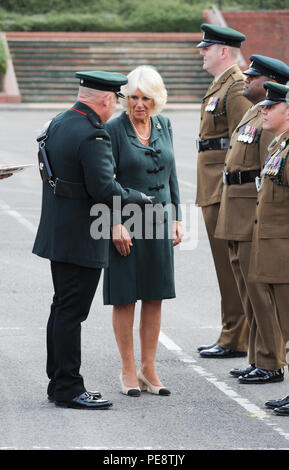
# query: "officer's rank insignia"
213,101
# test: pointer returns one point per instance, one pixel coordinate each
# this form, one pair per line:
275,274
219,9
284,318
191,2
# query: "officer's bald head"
91,94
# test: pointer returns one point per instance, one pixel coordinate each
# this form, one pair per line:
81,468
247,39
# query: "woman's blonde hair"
146,79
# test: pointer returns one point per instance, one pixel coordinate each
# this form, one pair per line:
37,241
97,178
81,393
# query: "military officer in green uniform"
222,109
76,164
269,263
244,160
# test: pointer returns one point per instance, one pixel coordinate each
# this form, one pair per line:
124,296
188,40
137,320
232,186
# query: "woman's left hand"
177,232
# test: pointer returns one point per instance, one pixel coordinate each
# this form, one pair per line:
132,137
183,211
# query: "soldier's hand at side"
177,233
121,239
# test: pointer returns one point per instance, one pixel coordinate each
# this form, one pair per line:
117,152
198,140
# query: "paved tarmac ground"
208,409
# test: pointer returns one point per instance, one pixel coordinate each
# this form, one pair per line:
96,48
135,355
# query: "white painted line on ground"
17,216
168,343
254,410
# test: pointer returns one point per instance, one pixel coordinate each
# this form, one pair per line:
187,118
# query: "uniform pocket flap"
274,231
243,190
212,157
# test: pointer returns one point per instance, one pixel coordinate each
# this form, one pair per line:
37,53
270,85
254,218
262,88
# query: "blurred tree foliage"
115,15
3,58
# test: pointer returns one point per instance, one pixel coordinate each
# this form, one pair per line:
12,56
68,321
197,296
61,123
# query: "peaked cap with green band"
220,35
102,80
276,93
268,66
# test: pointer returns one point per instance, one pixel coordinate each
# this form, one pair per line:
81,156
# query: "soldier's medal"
213,101
273,164
252,134
240,136
277,165
246,136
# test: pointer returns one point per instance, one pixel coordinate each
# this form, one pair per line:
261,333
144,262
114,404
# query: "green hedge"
115,15
150,15
3,58
33,7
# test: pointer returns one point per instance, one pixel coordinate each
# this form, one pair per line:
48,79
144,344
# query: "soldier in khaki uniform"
222,108
244,160
269,262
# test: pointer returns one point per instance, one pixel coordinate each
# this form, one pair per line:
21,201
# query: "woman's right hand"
121,239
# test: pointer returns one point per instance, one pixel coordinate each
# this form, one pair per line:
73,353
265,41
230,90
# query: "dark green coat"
148,271
78,152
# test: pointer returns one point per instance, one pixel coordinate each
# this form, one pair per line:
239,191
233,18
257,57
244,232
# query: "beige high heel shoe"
146,385
131,392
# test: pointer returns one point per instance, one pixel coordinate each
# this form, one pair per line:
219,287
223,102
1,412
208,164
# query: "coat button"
255,221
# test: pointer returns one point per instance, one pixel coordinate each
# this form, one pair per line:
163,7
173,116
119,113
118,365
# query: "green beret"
276,93
102,80
272,68
220,35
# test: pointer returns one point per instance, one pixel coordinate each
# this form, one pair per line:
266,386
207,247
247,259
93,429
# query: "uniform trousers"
235,330
266,343
74,289
279,294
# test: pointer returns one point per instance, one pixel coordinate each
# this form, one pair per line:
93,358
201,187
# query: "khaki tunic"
235,223
238,202
269,263
270,255
215,124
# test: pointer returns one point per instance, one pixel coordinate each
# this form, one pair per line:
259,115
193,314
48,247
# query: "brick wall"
266,31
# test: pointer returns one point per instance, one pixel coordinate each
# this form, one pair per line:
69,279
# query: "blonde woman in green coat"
141,268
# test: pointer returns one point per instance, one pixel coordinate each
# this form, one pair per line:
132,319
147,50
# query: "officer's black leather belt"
213,144
240,177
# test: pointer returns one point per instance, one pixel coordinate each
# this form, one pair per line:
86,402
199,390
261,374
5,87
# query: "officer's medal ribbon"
213,101
271,168
241,136
252,134
246,134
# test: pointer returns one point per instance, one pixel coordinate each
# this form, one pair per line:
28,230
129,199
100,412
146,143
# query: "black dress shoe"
95,394
238,372
282,411
262,376
219,352
208,346
85,401
277,403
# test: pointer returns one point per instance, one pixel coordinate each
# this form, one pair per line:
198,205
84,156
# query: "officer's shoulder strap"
44,131
94,120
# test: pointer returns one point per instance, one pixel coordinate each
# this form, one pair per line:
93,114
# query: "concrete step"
24,44
45,68
68,71
26,98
